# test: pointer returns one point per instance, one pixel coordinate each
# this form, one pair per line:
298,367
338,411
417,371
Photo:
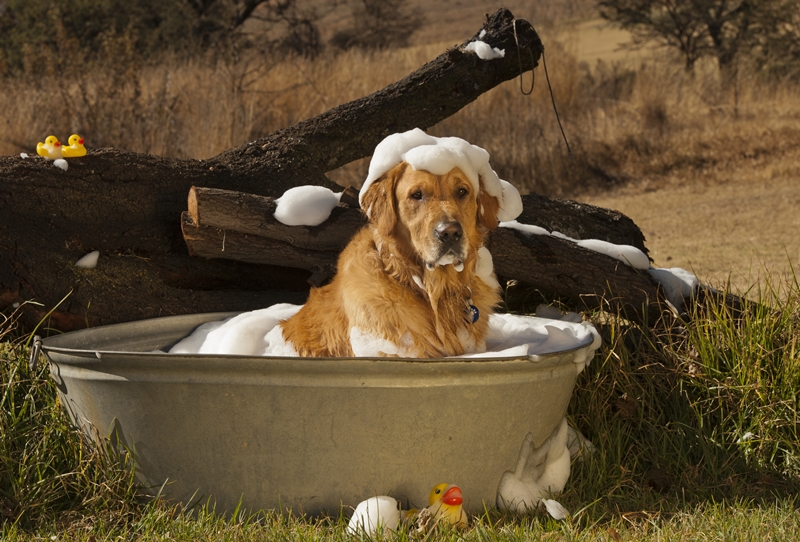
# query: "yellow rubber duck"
384,512
75,148
445,504
50,149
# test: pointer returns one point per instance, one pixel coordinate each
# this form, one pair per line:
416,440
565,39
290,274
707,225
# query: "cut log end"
192,205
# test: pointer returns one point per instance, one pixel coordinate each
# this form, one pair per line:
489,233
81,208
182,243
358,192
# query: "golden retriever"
406,284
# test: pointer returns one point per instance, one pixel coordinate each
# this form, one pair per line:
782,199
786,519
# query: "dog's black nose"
449,232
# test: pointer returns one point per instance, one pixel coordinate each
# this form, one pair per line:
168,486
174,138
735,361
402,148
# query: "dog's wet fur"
398,280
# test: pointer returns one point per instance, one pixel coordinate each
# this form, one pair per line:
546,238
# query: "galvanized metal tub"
300,433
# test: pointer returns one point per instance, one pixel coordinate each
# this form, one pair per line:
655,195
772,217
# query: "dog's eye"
462,192
417,195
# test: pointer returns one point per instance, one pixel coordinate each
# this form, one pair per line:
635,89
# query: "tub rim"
51,344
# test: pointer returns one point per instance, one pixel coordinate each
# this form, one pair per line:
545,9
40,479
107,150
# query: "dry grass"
651,122
190,109
713,182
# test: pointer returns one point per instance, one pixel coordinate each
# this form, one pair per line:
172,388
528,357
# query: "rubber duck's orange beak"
80,141
453,496
57,144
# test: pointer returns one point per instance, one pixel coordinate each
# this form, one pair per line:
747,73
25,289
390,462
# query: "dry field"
737,223
723,198
709,171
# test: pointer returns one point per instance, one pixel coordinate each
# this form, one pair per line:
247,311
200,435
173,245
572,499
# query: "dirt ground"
740,226
736,228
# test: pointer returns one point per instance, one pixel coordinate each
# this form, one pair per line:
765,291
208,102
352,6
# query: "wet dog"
416,281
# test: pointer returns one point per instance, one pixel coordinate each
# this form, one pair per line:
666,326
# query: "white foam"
526,228
555,509
484,268
369,346
276,345
438,155
258,333
624,253
541,471
557,464
484,50
678,284
540,335
61,163
89,261
448,259
306,205
577,444
250,333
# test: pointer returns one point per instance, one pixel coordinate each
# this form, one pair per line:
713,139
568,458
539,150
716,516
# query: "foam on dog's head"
439,155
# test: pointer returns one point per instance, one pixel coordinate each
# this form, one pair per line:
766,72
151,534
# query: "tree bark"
229,244
560,269
232,225
227,210
128,205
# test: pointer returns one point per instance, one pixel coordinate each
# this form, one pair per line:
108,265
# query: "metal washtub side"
305,433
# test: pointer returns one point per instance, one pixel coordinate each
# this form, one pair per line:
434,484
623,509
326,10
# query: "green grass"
695,424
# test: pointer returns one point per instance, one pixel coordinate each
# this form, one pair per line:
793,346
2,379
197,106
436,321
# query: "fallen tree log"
128,205
253,214
584,278
224,224
214,242
232,225
228,210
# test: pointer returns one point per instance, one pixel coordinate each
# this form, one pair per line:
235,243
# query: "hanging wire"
552,99
519,59
533,81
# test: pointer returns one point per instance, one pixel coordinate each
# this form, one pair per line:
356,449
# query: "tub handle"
36,349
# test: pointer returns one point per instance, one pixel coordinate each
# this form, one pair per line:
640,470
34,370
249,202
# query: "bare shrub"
764,30
378,24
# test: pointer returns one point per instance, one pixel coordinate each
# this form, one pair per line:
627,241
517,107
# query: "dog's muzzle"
449,235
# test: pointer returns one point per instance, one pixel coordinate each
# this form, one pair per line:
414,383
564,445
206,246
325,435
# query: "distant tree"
378,24
778,51
724,29
35,33
299,21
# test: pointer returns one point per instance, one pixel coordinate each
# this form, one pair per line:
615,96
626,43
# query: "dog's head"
441,218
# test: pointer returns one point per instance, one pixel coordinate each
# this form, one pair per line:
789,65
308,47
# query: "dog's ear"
488,206
379,202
